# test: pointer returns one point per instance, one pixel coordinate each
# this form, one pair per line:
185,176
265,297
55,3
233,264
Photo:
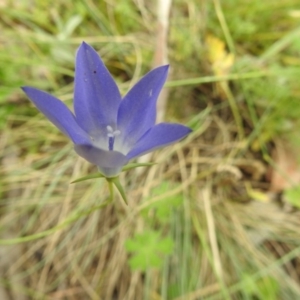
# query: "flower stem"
111,191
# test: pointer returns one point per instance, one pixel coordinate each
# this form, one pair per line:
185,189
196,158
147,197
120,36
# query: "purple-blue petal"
96,95
137,112
58,113
109,161
159,136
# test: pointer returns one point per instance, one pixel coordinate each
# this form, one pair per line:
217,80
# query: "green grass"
192,229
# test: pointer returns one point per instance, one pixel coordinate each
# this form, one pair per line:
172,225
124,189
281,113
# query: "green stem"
111,190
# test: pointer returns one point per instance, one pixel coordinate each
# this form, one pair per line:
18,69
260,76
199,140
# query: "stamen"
109,129
111,134
111,141
117,132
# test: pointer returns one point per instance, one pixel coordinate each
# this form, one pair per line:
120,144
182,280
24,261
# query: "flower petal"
96,95
137,112
110,163
58,113
159,136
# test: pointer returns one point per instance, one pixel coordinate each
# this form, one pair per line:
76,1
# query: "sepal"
91,176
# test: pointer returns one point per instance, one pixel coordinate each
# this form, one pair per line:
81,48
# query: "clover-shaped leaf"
164,208
148,250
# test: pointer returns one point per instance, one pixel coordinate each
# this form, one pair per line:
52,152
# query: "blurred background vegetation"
217,217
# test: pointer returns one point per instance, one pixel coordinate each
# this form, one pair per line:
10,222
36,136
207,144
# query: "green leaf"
265,288
163,208
148,249
268,288
249,285
292,196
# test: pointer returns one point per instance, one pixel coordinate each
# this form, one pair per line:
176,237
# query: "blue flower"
106,130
